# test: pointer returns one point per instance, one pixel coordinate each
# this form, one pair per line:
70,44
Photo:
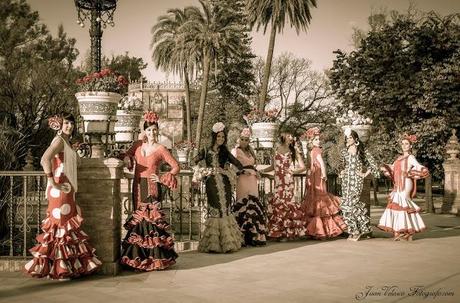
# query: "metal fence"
23,206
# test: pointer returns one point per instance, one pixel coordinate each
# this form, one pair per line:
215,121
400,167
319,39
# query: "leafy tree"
216,32
174,52
404,75
234,73
36,72
275,13
130,67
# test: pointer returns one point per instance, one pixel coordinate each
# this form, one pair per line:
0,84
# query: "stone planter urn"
363,131
97,108
264,133
182,155
127,125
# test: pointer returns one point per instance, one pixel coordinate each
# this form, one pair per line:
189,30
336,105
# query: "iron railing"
23,205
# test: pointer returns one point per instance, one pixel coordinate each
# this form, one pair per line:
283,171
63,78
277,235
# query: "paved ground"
303,271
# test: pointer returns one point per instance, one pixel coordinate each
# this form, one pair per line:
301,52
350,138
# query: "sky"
330,29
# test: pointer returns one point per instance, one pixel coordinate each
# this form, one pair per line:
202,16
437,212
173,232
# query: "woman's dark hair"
223,150
69,117
148,124
282,139
359,146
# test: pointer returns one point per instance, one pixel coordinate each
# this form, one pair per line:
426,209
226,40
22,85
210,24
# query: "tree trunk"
268,65
187,105
204,90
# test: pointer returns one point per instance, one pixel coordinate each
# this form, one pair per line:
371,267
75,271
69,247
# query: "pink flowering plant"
184,145
267,116
104,81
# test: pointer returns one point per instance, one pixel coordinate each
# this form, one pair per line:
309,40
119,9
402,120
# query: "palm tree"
275,13
172,52
215,32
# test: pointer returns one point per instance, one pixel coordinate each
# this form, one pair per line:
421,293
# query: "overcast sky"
330,29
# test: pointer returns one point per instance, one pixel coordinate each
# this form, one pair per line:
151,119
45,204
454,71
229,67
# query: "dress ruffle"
169,180
147,245
63,251
323,218
251,217
221,235
401,215
286,220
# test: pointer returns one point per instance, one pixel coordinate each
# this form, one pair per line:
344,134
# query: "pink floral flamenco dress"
63,250
285,216
322,209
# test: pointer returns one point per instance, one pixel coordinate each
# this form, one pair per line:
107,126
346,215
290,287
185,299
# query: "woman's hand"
128,162
155,178
363,175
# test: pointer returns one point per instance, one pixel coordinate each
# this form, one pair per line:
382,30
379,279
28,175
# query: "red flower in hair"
151,117
410,138
312,132
55,122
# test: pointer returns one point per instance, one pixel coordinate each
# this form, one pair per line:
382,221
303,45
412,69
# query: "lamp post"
100,13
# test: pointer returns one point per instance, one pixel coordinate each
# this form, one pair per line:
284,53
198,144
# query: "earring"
357,143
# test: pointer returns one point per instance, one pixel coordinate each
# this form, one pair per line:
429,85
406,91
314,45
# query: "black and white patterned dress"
353,209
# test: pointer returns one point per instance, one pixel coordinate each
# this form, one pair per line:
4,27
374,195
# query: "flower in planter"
131,103
255,116
104,81
353,118
184,145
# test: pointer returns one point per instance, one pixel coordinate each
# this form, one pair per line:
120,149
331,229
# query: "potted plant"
129,115
264,125
182,149
98,99
360,124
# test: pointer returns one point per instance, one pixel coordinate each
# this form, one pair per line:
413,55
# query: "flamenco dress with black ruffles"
147,245
221,233
63,250
322,209
249,211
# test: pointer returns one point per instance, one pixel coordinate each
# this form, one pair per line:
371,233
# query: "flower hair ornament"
55,122
312,133
347,132
411,138
151,117
218,127
246,132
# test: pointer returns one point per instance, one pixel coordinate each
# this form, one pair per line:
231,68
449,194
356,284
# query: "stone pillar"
99,198
451,200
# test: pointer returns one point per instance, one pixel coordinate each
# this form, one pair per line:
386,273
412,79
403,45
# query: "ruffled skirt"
221,235
401,215
285,220
62,251
251,218
323,216
147,245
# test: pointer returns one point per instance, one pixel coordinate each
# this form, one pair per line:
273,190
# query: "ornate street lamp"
100,13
